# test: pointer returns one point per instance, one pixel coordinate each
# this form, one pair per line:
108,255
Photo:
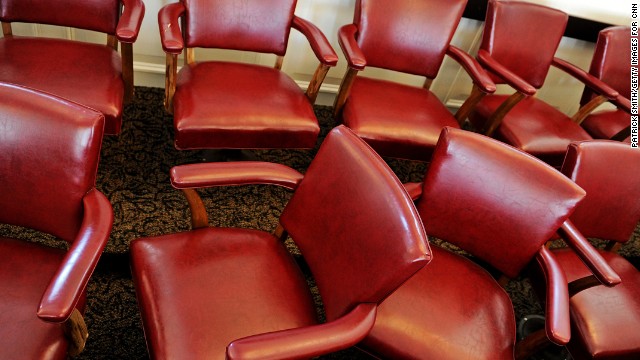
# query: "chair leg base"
528,326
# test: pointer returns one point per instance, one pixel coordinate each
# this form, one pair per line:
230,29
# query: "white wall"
452,85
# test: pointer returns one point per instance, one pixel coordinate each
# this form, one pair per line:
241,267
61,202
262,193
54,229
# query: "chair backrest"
492,200
355,225
523,37
49,151
251,25
96,15
609,172
610,61
406,35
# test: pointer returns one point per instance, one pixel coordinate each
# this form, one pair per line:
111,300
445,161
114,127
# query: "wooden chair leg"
76,332
532,344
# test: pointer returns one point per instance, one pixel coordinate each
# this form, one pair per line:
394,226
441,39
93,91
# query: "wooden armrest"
557,325
350,48
505,74
170,33
589,80
204,175
308,341
479,76
130,21
319,43
70,280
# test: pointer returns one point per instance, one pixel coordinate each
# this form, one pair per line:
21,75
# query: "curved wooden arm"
505,74
350,48
496,118
479,76
70,280
588,254
170,33
589,80
309,341
204,175
557,323
319,43
130,21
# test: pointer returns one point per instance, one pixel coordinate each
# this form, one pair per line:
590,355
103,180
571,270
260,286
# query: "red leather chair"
610,65
604,321
49,151
228,105
499,205
523,62
412,37
90,74
209,289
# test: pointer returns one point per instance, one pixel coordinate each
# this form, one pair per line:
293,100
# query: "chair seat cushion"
241,106
202,289
606,123
605,321
396,120
88,74
532,126
451,309
25,272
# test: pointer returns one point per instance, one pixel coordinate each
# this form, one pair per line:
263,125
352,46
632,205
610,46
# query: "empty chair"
208,289
523,62
411,37
90,74
604,321
499,205
231,105
610,64
49,151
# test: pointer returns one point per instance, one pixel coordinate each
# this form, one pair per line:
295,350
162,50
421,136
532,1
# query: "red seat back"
523,37
408,36
49,151
608,171
355,225
254,25
97,15
496,202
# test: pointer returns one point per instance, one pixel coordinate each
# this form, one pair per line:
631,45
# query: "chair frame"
131,14
171,17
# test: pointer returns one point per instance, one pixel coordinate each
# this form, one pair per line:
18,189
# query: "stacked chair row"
238,293
384,289
225,105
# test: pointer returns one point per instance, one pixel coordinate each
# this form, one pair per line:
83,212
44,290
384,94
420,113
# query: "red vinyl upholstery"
223,105
210,288
609,65
49,151
90,74
605,320
412,37
499,205
523,62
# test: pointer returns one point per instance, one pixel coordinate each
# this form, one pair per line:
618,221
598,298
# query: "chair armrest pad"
203,175
414,190
473,68
623,103
350,48
70,280
130,21
308,341
557,322
170,33
319,43
591,81
505,74
588,254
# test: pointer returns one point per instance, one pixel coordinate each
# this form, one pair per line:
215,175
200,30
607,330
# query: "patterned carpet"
133,173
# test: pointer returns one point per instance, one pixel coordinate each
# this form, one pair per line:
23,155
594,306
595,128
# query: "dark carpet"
134,174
